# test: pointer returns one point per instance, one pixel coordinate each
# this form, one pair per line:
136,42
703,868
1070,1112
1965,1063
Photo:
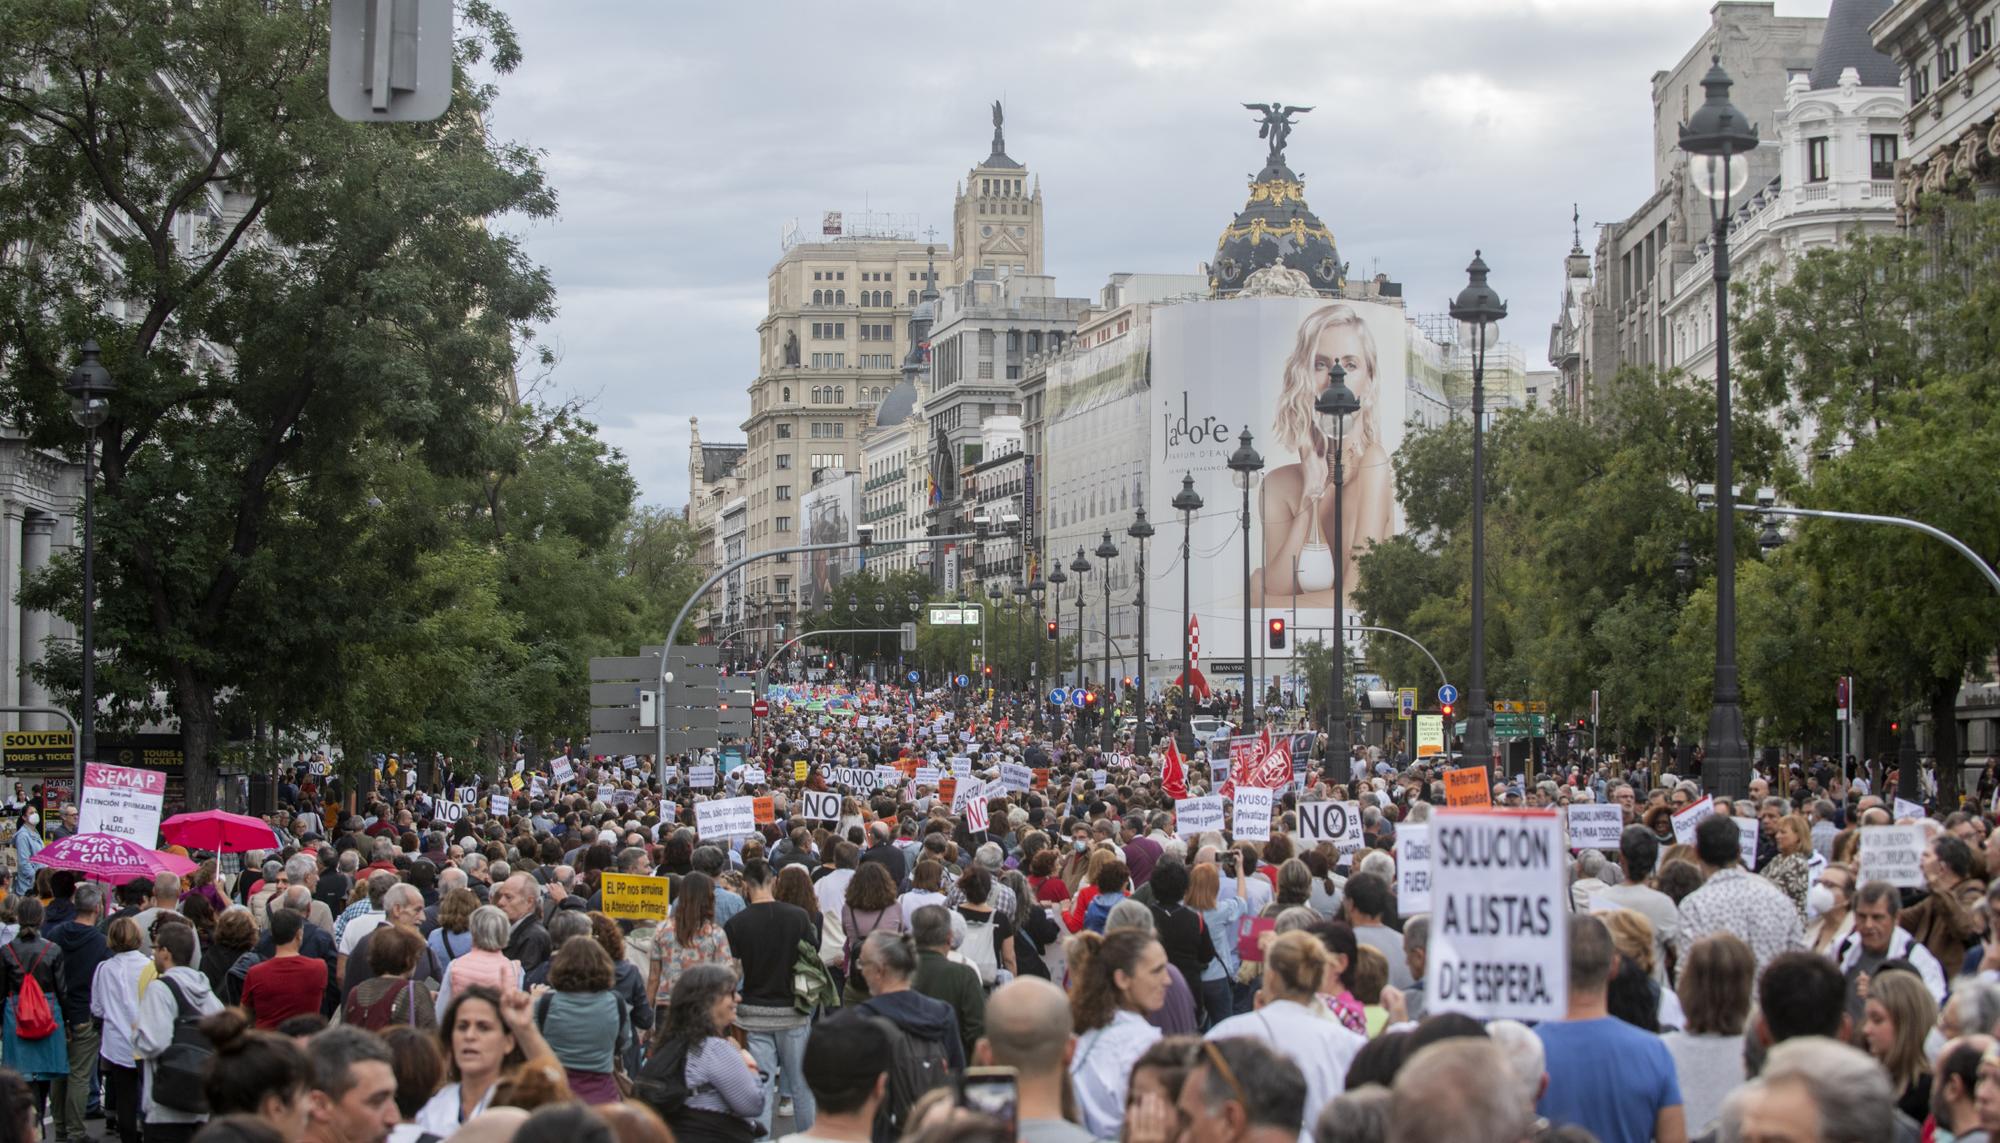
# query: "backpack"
916,1065
979,951
181,1070
662,1086
32,1018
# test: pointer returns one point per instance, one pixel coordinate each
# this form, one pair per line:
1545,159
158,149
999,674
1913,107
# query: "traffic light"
1896,727
1052,630
1582,723
988,669
1277,631
1446,708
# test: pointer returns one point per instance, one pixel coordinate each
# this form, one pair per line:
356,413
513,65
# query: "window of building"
840,297
784,492
784,432
785,458
784,525
788,394
1816,160
840,275
1979,37
1920,82
986,342
1947,61
913,297
1881,157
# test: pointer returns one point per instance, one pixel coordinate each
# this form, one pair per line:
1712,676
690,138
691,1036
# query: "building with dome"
1275,226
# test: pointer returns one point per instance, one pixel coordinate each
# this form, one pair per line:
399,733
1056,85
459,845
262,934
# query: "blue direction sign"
1447,693
1058,696
1078,698
962,679
914,676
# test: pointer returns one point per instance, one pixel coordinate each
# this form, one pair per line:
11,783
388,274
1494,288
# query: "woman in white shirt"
488,1035
1291,1019
114,1000
926,887
1115,980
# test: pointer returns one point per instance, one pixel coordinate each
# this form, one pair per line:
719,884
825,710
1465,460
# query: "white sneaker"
785,1105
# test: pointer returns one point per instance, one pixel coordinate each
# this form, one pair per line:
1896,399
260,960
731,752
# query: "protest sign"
725,818
1253,814
1430,735
1197,815
1467,786
1746,830
670,773
1688,817
764,809
1337,822
753,776
468,795
451,812
1595,825
801,769
560,767
633,897
928,775
1499,944
1413,868
122,801
814,805
976,816
499,805
1041,777
1893,853
1015,777
961,767
701,777
604,792
516,782
1100,778
947,791
965,793
537,785
886,777
1914,811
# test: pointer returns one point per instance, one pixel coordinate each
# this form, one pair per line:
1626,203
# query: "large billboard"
1221,366
827,515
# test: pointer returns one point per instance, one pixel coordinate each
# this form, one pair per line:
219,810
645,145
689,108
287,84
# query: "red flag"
1174,779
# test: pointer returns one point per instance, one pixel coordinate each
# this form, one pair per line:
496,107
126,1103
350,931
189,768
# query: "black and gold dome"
1275,227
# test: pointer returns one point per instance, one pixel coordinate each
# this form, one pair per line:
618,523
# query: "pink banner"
98,776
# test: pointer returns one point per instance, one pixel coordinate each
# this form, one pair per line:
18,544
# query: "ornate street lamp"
1057,578
1478,306
1246,463
90,388
1106,552
1334,405
1141,531
1081,567
1718,140
1187,502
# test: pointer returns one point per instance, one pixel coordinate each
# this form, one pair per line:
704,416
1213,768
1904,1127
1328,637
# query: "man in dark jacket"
889,962
941,978
83,949
882,850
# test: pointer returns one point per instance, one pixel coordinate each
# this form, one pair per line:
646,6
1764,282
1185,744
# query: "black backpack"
181,1072
916,1065
662,1085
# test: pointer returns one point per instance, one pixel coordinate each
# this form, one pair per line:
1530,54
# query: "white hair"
1380,863
1525,1057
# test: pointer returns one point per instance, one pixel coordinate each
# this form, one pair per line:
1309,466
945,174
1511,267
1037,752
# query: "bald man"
1028,1029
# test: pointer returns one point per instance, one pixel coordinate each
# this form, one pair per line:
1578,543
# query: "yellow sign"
24,748
516,782
1509,706
633,897
1430,735
800,768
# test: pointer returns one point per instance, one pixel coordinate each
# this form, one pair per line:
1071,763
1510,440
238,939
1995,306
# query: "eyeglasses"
1223,1069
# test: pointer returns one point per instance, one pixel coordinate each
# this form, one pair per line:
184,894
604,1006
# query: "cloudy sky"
683,136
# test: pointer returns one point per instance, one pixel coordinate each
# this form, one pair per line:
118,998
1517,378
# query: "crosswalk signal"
1052,630
1277,632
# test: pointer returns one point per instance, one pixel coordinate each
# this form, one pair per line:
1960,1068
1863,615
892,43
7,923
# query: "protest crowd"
907,916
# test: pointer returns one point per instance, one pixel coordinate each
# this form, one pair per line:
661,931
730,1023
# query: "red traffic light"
1090,698
1052,631
989,670
1446,707
1582,723
1277,634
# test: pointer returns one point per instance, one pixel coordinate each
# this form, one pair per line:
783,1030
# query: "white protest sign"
604,792
122,801
1686,819
1337,822
451,811
753,776
968,791
1253,814
815,805
1499,945
1893,853
468,795
701,777
886,777
1746,830
975,815
961,767
725,817
1413,868
1015,777
1100,778
1197,815
860,779
670,774
536,785
1911,810
1595,825
563,771
928,776
499,805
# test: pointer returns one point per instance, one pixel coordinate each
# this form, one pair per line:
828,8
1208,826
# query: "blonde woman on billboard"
1295,505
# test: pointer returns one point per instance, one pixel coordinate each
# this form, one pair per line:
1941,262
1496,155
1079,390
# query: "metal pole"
1958,545
1726,763
87,734
1339,751
1110,704
1142,745
1478,740
1187,632
1249,688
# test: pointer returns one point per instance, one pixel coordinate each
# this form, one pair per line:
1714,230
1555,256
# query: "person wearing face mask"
1830,908
27,843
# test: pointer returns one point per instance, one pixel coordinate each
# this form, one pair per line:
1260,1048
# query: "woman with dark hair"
202,884
45,1058
390,996
19,1122
870,905
201,915
419,1068
983,922
235,934
1115,981
687,938
1181,930
694,1057
586,1023
794,886
1049,888
627,981
564,1123
256,1073
1337,989
485,1039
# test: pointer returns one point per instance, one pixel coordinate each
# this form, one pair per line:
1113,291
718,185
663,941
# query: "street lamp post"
1246,463
1141,531
1478,306
1057,578
1717,139
1081,567
986,653
1334,404
1187,502
90,388
1106,552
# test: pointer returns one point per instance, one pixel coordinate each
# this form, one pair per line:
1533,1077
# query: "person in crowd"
1898,1017
419,1068
1367,899
926,886
1791,869
179,993
1337,990
235,935
450,935
989,933
688,937
767,938
114,1003
1954,1089
1946,921
1028,1028
1813,1090
941,978
724,1088
1734,900
1219,915
485,1036
27,843
1877,940
847,1062
890,962
1460,1089
488,964
1606,1076
1830,907
1242,1089
1715,992
520,898
402,908
1638,855
40,1059
314,942
256,1073
390,996
1290,1017
584,1020
83,948
1117,979
1176,1014
1181,929
870,906
353,1088
287,984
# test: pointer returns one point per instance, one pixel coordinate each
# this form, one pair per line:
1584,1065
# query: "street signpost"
1058,696
1447,694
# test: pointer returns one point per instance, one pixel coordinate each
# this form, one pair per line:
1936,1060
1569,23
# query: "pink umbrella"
108,857
218,831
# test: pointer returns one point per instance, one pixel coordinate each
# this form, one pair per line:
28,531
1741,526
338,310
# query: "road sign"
1406,701
962,679
760,708
1447,693
1058,696
1079,698
914,676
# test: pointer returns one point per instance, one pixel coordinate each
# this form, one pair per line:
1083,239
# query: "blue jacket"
27,843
